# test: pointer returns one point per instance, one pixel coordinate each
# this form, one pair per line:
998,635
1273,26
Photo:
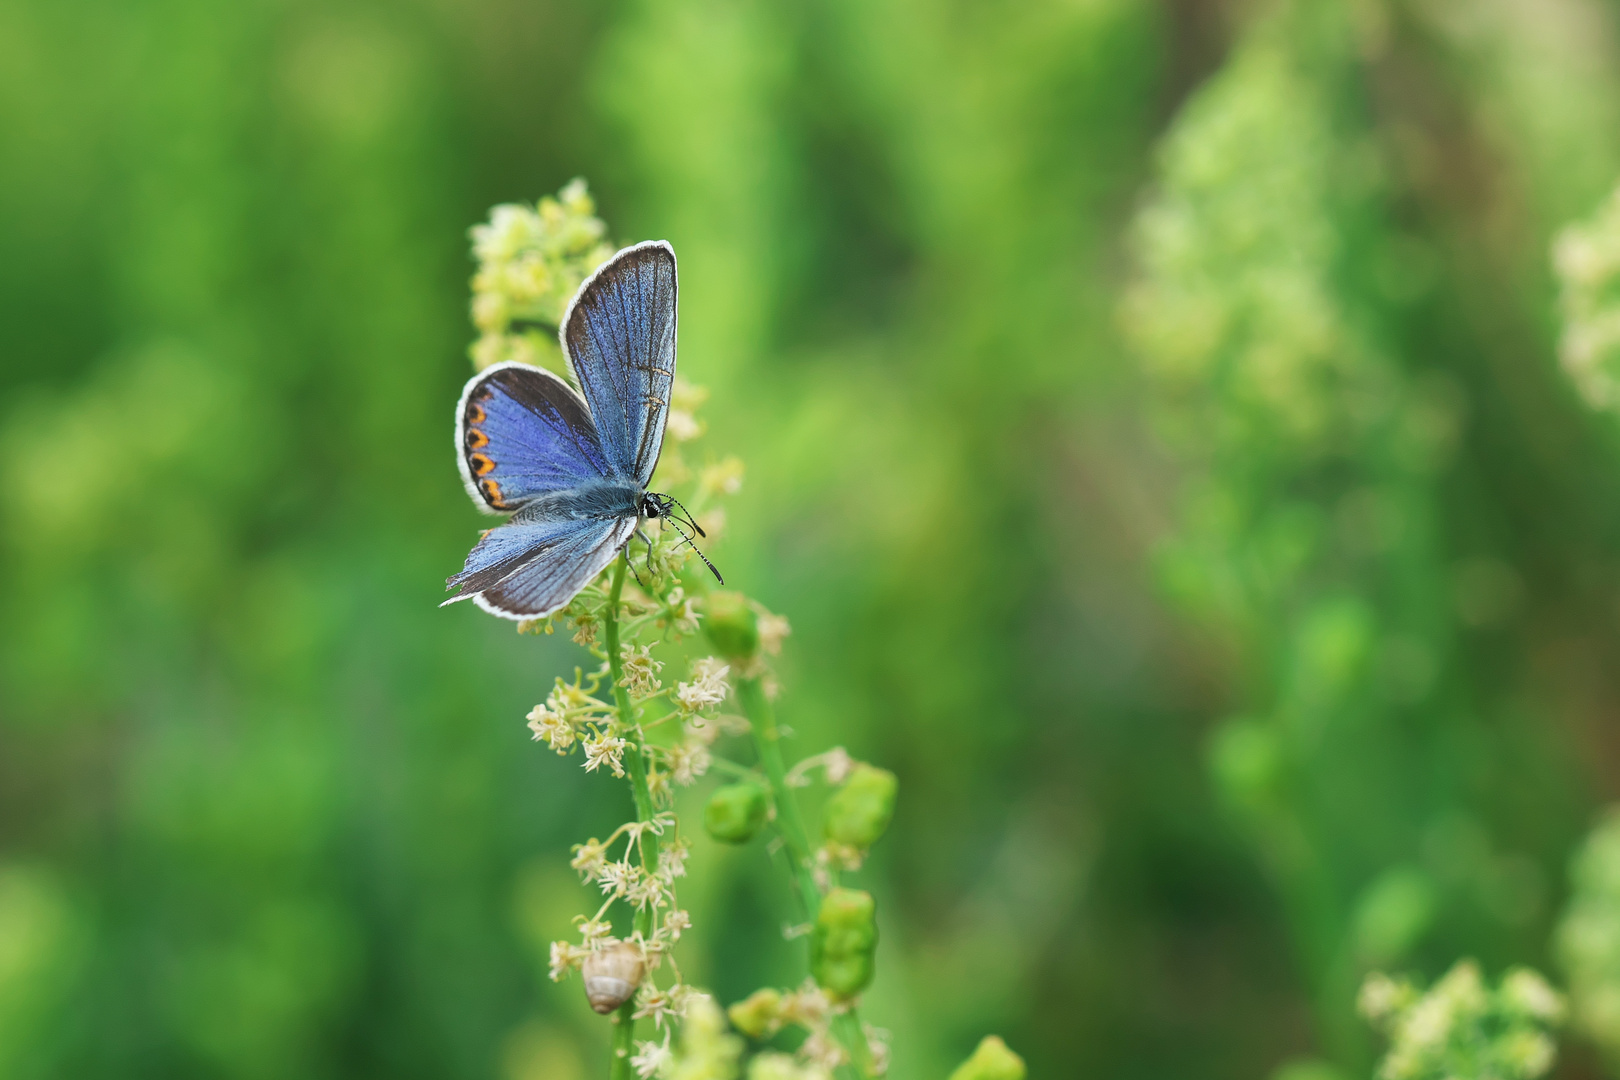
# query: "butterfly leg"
648,542
631,563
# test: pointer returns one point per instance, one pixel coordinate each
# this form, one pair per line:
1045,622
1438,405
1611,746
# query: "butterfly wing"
619,334
520,432
532,566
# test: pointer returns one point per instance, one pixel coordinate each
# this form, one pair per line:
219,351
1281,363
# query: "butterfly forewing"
521,432
619,334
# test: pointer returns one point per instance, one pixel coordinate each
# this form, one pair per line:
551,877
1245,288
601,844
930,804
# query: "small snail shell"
612,975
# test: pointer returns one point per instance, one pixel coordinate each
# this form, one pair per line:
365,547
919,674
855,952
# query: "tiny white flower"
652,1057
822,1049
772,629
601,749
688,761
617,878
564,958
656,1003
585,632
877,1048
682,426
589,858
806,1006
645,890
566,697
552,727
676,922
708,686
723,478
683,613
640,670
594,932
672,861
839,765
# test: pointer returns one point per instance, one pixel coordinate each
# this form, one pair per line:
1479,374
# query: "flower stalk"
635,764
756,705
789,825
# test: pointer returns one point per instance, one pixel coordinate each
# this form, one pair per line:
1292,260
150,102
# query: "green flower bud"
859,811
757,1015
731,625
991,1061
843,942
735,813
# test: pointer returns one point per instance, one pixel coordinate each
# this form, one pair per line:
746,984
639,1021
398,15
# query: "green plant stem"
790,827
635,764
767,744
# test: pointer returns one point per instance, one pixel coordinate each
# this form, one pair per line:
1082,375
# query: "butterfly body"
571,466
602,500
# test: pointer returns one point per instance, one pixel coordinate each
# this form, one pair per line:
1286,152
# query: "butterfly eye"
482,464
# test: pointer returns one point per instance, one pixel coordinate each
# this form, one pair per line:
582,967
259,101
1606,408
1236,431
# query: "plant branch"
635,764
790,827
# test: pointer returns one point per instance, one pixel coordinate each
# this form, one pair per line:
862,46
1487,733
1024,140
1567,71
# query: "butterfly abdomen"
604,499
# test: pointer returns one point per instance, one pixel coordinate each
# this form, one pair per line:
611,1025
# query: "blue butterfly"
572,470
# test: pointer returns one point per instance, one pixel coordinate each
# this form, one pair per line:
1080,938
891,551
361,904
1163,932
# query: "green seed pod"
991,1061
859,811
843,942
732,627
759,1014
735,813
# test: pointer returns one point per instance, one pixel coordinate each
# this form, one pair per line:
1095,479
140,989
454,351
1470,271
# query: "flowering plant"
629,718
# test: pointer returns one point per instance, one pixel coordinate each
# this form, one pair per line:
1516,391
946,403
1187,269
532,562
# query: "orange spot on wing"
492,493
482,464
475,413
476,440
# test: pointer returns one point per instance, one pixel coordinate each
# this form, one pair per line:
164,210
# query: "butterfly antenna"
690,520
709,564
686,538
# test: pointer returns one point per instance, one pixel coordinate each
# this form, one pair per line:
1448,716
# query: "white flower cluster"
1586,258
707,687
681,763
679,614
1462,1027
640,671
572,713
1589,935
707,1051
624,878
531,261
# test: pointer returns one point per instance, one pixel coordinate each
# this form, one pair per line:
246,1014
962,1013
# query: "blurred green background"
1155,432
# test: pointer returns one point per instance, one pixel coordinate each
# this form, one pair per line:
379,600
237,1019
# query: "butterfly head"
655,505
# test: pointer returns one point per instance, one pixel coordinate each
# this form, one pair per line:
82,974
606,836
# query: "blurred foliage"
1587,259
1155,431
1462,1027
1589,936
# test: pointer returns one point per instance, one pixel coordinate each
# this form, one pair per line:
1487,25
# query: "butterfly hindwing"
520,432
619,334
529,568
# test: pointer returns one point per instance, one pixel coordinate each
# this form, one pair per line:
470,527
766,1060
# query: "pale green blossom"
1462,1029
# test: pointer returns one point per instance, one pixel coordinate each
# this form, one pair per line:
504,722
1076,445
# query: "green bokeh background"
266,811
